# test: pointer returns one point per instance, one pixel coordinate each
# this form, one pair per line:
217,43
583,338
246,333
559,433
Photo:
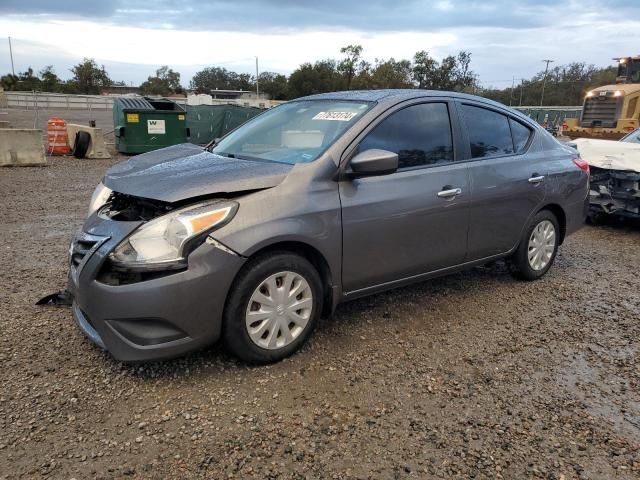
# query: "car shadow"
352,315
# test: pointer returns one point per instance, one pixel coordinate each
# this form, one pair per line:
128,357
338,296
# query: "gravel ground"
473,375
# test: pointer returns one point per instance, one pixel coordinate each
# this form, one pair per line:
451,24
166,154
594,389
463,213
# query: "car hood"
185,171
609,154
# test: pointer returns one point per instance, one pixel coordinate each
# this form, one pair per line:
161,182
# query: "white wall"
31,101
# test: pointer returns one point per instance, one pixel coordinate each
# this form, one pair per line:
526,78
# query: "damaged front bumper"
614,192
147,317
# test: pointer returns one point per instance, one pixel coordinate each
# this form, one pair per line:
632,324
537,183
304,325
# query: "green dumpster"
143,124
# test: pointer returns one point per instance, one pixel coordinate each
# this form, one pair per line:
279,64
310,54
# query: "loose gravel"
475,375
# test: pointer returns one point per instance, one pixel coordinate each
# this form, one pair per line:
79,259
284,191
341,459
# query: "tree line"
565,84
88,78
350,72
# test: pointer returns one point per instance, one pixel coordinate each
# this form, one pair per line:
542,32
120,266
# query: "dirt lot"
474,375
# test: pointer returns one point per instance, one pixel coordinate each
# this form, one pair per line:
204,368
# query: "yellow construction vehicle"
612,111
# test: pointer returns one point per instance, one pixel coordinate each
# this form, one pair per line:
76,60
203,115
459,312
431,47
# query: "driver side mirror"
373,162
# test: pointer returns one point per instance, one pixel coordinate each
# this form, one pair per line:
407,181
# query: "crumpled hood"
184,171
609,154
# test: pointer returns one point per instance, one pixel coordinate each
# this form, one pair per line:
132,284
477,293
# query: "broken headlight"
167,240
100,196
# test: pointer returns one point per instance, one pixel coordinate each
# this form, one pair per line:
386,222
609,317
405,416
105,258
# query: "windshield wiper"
225,154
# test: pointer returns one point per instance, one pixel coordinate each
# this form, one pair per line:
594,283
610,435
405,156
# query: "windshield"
633,137
295,132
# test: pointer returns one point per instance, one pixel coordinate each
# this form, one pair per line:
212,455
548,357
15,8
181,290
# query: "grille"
81,247
600,112
80,250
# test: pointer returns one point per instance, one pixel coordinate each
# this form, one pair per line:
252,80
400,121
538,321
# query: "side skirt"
421,277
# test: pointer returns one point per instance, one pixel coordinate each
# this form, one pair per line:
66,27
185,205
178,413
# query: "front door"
412,221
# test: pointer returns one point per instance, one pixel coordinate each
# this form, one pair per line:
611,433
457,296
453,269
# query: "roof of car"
395,95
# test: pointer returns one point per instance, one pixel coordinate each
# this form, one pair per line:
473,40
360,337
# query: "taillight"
582,165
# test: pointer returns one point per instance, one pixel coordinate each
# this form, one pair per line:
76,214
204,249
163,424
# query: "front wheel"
538,247
272,308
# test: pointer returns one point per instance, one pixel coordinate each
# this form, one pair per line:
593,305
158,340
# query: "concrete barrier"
21,147
97,147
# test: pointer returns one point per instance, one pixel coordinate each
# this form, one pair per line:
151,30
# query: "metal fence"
37,100
44,101
550,114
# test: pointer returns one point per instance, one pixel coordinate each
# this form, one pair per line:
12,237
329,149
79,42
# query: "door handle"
454,192
536,180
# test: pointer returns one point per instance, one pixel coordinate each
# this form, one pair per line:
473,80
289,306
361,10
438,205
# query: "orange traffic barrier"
57,138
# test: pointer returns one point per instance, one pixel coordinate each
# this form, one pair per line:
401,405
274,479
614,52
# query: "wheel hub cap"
279,310
542,244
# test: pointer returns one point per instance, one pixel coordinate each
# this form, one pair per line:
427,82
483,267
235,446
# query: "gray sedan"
317,201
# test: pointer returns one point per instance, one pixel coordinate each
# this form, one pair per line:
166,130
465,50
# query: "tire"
285,325
81,144
595,219
523,267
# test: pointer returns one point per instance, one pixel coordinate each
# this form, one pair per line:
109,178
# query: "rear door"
507,182
401,225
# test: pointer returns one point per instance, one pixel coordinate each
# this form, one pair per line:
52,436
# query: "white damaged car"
615,175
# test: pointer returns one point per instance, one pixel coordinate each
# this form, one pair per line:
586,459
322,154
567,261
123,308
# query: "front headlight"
100,196
166,240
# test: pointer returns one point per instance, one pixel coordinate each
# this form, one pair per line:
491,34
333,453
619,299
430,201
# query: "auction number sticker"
339,116
155,126
133,118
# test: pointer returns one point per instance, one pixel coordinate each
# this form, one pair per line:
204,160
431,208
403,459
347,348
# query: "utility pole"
521,86
544,82
257,86
13,71
513,84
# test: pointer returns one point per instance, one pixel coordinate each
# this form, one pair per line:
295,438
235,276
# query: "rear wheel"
273,307
538,247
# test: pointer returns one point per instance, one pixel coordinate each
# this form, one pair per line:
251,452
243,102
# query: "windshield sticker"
339,116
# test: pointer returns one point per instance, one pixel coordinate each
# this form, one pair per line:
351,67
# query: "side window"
520,134
419,134
489,133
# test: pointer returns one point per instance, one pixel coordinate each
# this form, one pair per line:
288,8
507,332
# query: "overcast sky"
132,38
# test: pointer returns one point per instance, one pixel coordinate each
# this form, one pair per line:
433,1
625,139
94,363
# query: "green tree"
9,82
49,79
88,78
566,86
322,76
165,82
348,67
27,81
274,84
219,78
424,69
391,74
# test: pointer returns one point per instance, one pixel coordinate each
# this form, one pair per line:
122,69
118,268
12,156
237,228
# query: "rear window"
520,134
488,131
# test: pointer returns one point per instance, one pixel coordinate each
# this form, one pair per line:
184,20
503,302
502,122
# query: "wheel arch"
315,257
560,215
